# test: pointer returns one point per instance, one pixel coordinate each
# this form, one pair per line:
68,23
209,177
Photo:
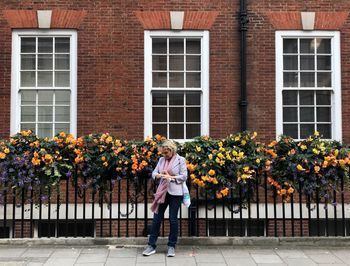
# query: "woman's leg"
157,220
174,205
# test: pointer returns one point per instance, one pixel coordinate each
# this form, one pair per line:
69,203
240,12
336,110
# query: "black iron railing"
75,211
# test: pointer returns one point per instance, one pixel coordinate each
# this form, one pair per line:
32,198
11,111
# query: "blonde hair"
168,144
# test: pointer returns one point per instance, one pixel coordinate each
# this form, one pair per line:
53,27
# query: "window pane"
28,45
307,79
307,62
324,79
160,129
290,62
290,46
28,97
324,62
62,79
62,45
176,80
307,46
62,114
306,130
45,113
62,127
323,97
176,114
159,79
291,130
323,114
193,80
324,46
193,98
62,97
28,114
28,79
45,45
290,98
159,62
28,62
45,61
193,130
45,130
159,45
28,126
307,114
62,61
45,97
176,62
159,98
193,62
44,79
325,130
193,46
306,97
159,114
176,46
193,114
176,131
176,98
290,114
290,79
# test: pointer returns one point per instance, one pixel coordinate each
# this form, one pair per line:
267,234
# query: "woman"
172,172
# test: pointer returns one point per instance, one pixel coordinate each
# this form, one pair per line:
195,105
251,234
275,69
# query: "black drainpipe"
243,29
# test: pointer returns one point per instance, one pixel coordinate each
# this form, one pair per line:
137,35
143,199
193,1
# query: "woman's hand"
169,177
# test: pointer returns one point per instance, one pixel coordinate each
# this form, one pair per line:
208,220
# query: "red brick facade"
111,55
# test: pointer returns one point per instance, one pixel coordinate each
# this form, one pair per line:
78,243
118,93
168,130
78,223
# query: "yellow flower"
300,168
290,190
234,153
241,154
254,135
211,172
317,133
303,147
210,156
215,181
7,151
246,168
243,142
257,160
336,152
220,144
316,151
220,155
109,140
237,138
193,176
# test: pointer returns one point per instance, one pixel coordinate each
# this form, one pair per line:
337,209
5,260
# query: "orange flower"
2,155
211,172
317,169
290,190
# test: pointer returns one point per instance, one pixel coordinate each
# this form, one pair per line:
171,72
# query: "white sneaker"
148,251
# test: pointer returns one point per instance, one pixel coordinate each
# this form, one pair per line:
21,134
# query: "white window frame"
336,102
15,74
204,35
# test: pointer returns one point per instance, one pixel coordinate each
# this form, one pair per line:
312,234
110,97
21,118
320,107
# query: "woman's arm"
155,173
182,176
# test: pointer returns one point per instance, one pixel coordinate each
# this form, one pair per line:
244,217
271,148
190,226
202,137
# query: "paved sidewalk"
185,256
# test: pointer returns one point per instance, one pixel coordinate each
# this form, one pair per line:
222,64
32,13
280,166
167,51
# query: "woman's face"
167,154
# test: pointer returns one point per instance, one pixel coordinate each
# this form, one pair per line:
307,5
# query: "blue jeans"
174,203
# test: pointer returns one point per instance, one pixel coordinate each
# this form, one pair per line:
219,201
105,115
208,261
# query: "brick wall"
110,63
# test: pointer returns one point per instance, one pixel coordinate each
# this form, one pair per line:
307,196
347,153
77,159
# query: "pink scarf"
159,196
